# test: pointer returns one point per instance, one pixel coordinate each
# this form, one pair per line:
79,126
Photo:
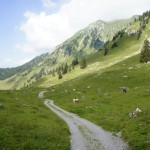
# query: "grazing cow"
75,100
135,113
138,110
124,89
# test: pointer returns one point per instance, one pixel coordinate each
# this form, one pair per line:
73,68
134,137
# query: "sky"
29,28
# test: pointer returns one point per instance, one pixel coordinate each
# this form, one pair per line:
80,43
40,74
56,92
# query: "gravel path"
84,134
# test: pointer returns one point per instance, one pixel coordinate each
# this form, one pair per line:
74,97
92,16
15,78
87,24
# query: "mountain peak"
97,23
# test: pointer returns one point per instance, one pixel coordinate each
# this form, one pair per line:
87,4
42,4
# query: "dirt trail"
84,134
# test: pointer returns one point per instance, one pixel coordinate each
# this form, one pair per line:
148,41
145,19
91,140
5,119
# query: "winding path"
84,134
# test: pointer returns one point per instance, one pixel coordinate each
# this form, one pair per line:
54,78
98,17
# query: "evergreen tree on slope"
145,53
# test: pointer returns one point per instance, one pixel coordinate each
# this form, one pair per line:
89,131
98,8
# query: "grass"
102,102
27,124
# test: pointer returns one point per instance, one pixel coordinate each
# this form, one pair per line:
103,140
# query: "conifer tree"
60,75
69,68
114,44
76,61
145,53
72,66
65,69
83,63
139,34
53,73
105,51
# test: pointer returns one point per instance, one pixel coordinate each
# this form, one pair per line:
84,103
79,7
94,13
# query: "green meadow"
102,101
26,124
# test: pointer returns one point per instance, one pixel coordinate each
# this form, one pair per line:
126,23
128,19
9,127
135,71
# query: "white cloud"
8,60
13,62
26,48
23,61
44,31
48,3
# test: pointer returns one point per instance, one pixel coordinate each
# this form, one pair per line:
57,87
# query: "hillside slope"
102,101
98,88
84,43
128,45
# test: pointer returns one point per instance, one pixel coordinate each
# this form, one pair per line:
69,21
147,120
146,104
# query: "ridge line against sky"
31,27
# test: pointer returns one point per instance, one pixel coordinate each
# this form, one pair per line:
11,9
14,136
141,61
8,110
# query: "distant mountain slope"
8,72
84,43
90,39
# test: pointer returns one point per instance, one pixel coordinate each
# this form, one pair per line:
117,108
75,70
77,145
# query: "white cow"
135,113
75,100
138,110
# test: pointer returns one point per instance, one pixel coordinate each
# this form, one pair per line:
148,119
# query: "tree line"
64,68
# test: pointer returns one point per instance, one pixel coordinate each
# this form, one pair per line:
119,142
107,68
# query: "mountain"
90,39
84,43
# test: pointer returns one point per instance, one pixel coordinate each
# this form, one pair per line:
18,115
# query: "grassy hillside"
26,124
102,102
84,43
128,46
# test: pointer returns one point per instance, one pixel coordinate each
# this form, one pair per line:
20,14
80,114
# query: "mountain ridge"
84,43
